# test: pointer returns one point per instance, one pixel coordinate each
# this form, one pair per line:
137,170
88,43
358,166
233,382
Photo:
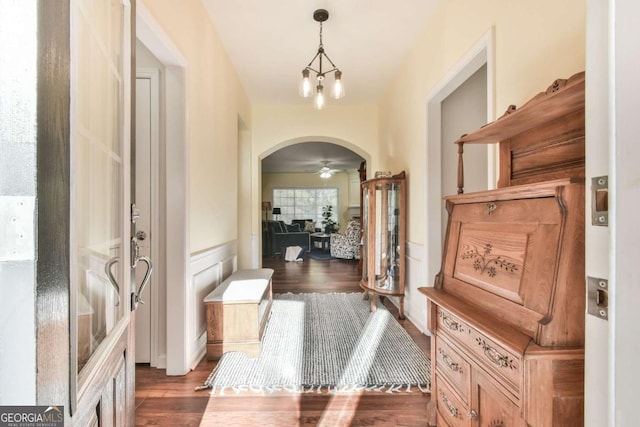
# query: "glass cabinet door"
365,236
387,257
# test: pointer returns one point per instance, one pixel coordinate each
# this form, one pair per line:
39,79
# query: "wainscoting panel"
208,269
415,304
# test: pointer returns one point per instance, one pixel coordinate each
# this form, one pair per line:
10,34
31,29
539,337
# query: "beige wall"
276,126
535,43
215,100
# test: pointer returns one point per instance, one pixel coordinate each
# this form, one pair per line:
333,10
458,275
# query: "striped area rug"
326,342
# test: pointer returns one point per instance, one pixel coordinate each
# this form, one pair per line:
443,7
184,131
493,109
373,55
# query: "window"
305,203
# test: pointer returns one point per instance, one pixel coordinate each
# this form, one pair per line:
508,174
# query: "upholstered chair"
347,245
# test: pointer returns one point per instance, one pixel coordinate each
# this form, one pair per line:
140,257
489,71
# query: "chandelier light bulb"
338,88
319,97
305,86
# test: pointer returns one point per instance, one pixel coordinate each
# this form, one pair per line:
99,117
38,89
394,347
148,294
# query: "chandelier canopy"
306,88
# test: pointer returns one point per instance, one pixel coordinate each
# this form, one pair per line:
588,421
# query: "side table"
323,238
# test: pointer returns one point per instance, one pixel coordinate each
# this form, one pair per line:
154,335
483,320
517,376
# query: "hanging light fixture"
306,87
325,171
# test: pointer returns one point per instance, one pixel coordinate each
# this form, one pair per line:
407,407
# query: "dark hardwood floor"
172,401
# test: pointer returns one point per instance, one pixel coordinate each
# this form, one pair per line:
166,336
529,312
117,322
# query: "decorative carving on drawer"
495,356
497,423
450,323
453,411
482,261
455,367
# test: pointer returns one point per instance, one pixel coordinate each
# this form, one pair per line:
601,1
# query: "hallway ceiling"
270,43
308,157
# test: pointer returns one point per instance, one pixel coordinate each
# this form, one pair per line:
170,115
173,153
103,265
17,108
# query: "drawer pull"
450,323
494,355
455,367
473,414
452,409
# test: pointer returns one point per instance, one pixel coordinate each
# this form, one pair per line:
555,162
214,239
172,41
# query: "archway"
295,163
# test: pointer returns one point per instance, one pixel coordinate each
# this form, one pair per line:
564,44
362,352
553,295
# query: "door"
493,407
102,253
612,251
146,181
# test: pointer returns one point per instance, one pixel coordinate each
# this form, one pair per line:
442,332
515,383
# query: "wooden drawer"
451,410
452,366
490,355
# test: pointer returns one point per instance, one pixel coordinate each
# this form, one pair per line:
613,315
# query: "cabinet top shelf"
398,176
561,98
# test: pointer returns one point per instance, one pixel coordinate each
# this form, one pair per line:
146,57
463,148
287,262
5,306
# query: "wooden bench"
237,313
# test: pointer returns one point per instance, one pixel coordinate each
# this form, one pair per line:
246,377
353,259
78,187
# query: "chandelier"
306,88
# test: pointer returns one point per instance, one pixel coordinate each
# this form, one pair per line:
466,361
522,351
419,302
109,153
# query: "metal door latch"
598,297
600,200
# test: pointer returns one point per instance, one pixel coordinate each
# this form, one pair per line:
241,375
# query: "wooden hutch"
507,309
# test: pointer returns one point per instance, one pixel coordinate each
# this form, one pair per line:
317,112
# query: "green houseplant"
328,223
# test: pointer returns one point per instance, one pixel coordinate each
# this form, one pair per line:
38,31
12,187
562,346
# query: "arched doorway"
293,187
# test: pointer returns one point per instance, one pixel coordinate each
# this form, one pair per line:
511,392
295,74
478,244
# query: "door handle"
112,280
137,295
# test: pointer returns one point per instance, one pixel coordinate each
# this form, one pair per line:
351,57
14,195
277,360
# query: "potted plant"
328,223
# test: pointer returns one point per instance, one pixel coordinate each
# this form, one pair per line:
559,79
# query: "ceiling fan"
325,171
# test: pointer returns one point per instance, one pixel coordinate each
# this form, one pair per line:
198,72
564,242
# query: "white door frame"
176,167
597,386
611,347
480,54
157,239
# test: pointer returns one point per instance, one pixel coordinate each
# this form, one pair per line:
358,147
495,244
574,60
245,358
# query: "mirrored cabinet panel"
384,223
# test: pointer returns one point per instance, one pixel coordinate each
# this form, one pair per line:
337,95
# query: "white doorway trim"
480,54
176,166
156,237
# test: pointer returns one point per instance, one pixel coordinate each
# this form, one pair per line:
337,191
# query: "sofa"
347,245
279,236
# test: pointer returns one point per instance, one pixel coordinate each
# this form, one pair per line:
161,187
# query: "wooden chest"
237,313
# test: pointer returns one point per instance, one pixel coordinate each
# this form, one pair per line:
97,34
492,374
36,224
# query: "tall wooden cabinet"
507,309
383,237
